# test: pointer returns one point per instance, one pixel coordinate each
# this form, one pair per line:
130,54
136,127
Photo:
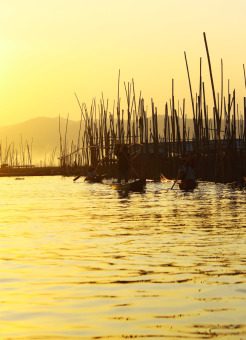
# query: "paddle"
135,172
164,179
175,182
75,179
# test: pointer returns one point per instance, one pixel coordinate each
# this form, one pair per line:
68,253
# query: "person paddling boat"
124,160
91,173
187,174
93,177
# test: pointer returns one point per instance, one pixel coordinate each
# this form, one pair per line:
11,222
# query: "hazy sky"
50,49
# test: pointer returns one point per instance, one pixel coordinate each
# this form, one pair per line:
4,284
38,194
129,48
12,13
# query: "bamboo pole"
211,78
192,101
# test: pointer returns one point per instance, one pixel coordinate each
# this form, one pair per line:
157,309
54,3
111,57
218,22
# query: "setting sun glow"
51,49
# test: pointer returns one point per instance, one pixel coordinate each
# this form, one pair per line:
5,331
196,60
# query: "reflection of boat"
95,179
137,185
188,184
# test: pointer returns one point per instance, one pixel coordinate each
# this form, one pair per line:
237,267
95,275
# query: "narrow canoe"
137,185
188,184
96,179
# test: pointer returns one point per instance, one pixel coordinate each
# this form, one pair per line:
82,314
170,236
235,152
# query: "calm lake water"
82,261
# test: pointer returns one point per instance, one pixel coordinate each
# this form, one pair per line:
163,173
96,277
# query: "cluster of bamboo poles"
50,160
218,144
16,156
22,156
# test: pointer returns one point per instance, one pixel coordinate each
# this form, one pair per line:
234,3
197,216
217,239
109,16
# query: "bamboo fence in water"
13,155
158,143
217,144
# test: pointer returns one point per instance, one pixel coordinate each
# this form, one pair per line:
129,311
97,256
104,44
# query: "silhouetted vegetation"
218,143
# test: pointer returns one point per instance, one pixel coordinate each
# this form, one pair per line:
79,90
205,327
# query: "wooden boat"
164,179
137,185
95,179
188,184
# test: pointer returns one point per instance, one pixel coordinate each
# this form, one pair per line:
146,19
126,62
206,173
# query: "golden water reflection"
79,261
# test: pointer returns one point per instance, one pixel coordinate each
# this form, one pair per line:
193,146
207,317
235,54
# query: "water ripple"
81,261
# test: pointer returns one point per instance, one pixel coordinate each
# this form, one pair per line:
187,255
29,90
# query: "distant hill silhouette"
42,133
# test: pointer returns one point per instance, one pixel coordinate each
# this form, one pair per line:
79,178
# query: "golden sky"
50,49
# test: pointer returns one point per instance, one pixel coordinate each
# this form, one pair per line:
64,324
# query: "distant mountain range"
41,134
